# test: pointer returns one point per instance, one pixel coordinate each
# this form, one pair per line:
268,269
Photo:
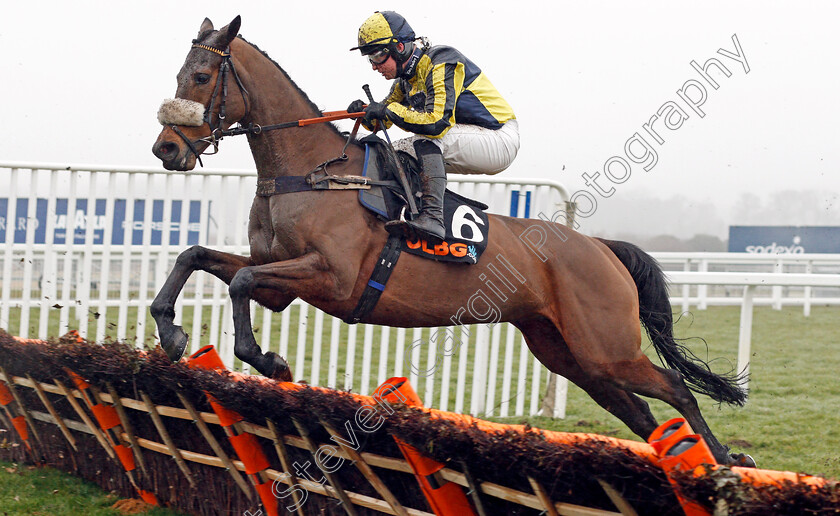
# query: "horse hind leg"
647,379
632,410
245,348
548,345
286,279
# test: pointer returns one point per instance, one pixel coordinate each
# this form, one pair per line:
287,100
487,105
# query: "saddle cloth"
466,223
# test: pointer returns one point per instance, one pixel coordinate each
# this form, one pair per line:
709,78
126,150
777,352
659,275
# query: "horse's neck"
274,99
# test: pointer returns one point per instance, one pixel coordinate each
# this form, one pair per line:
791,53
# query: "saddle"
466,222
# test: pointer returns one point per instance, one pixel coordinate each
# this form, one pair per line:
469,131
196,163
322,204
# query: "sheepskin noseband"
181,112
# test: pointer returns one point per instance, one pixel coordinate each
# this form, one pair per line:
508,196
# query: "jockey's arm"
443,82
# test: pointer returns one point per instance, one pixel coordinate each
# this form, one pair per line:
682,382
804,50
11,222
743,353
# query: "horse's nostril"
165,150
168,149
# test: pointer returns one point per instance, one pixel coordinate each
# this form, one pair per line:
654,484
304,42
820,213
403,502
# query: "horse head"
205,102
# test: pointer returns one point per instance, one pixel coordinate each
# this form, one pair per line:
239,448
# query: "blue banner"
784,239
79,221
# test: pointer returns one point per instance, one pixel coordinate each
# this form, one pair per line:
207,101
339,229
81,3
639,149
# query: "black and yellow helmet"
384,30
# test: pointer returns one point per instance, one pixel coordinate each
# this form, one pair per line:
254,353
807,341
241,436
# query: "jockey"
461,123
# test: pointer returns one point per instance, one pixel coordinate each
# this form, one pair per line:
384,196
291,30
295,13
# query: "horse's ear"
231,30
205,26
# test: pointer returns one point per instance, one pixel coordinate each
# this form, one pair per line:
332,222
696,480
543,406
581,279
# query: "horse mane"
206,34
294,84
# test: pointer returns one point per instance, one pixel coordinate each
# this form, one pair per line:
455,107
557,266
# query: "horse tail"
655,314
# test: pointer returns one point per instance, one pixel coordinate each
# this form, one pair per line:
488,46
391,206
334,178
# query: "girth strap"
281,185
316,181
378,279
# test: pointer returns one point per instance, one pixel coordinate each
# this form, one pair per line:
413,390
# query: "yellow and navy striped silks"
445,88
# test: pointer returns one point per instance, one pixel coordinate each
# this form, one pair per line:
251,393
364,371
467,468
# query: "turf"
49,492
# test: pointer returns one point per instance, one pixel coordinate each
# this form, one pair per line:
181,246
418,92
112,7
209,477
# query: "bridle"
220,92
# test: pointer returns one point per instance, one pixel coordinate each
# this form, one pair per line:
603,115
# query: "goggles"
380,56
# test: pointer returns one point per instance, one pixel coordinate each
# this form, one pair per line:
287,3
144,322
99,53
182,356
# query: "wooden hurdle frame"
108,417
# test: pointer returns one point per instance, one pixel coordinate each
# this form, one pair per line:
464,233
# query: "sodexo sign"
784,239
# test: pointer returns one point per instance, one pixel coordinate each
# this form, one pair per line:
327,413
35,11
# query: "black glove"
375,111
357,106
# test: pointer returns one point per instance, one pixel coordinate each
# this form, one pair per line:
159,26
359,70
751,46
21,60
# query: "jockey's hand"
357,106
375,111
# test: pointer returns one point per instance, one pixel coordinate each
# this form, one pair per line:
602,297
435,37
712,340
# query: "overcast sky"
82,82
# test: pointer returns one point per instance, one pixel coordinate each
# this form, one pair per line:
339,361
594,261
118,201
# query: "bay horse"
577,300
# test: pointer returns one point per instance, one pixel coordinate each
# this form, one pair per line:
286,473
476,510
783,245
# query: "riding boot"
429,223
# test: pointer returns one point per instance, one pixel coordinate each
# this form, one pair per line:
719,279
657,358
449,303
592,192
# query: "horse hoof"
282,372
175,344
742,460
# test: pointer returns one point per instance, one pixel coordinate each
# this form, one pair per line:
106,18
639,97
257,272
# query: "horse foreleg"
286,278
224,266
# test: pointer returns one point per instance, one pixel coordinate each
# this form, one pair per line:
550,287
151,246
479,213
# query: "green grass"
792,418
47,491
791,421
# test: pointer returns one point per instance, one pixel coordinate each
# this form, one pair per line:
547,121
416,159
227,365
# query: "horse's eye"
202,78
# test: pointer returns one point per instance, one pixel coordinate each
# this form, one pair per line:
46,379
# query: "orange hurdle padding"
148,497
249,452
106,416
6,396
245,444
80,382
445,498
668,434
126,457
681,450
19,422
108,419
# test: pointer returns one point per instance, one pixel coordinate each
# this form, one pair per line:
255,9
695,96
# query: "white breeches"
470,149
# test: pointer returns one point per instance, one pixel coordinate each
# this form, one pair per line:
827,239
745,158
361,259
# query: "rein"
217,133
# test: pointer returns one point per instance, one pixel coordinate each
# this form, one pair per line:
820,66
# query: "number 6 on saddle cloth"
465,221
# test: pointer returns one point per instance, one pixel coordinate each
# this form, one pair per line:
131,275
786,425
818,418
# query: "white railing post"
105,267
561,394
686,289
11,223
806,304
777,289
745,335
67,286
507,375
49,290
335,334
463,358
350,373
162,265
479,384
29,241
125,273
492,374
89,222
702,290
145,258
